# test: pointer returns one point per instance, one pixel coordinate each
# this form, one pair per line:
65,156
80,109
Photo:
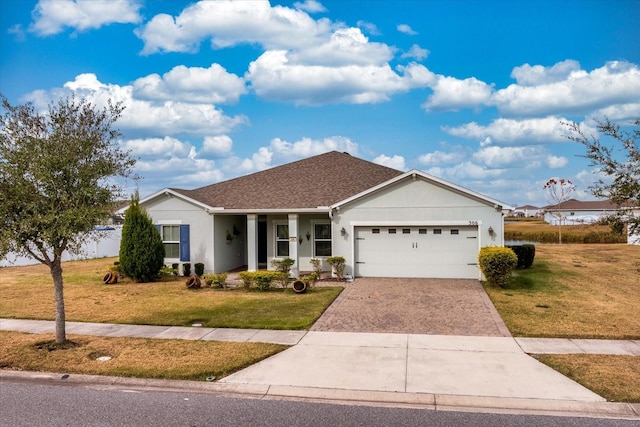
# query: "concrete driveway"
414,306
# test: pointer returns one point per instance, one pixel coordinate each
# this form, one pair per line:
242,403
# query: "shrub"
496,264
218,280
525,253
199,269
310,279
167,271
282,265
338,264
141,248
186,269
316,263
262,279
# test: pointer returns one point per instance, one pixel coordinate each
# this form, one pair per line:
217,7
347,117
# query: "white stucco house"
385,222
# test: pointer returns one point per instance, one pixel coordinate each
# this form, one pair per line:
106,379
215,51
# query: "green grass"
130,357
27,292
574,291
273,309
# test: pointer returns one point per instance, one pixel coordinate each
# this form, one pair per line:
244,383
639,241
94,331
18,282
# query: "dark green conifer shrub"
141,248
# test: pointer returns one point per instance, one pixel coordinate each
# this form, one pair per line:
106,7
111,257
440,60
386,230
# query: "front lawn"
574,291
27,292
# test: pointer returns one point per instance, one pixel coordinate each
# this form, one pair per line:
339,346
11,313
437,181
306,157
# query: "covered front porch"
253,240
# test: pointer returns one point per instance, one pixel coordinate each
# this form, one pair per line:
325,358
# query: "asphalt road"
33,403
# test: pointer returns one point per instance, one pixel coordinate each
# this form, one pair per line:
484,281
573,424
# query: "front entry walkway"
413,306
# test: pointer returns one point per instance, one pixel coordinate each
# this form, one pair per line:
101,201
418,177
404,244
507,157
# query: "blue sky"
472,92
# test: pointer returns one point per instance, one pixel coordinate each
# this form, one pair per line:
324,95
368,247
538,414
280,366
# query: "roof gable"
317,181
413,174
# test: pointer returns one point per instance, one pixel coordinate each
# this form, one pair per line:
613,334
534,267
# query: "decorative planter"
299,287
193,282
110,279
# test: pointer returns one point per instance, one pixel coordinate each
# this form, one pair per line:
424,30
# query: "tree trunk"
56,274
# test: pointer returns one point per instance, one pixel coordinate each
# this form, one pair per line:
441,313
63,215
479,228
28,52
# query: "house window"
322,240
422,231
171,241
406,231
437,231
392,231
282,240
375,230
455,231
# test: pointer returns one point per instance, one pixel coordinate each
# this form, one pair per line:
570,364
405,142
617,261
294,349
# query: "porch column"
293,244
252,242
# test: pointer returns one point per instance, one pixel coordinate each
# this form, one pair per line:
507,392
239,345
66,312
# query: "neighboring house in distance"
576,212
385,222
526,211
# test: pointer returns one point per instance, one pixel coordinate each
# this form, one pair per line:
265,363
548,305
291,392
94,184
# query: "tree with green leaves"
57,172
141,247
617,158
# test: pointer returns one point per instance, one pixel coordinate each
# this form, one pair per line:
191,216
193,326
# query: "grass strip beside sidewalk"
131,357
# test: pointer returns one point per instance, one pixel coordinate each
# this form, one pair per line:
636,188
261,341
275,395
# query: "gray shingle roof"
321,180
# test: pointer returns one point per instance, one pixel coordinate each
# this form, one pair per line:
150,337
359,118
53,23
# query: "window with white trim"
282,240
171,241
322,239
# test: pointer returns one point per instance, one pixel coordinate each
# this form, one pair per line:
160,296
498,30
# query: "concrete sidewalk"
428,371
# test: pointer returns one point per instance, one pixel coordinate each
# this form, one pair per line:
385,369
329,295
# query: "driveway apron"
413,306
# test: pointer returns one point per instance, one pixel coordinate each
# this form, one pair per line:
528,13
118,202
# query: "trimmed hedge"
525,253
496,264
262,279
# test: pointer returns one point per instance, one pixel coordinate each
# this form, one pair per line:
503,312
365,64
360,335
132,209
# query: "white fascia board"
416,173
172,193
319,209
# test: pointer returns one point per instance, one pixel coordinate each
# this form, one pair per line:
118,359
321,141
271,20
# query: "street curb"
429,401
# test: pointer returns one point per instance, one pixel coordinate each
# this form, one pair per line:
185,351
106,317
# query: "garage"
442,251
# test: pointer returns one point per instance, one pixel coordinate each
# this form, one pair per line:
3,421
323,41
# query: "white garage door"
438,252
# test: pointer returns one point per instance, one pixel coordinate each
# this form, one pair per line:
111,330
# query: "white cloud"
507,131
438,158
395,162
618,112
451,94
615,83
369,27
219,146
346,46
466,171
274,78
556,162
416,52
311,6
144,117
307,147
510,157
191,84
404,28
51,17
157,147
228,23
527,75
